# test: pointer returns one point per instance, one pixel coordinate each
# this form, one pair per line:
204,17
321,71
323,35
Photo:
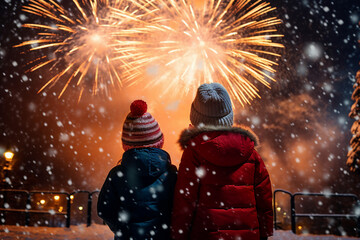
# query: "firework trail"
175,44
215,41
81,44
144,27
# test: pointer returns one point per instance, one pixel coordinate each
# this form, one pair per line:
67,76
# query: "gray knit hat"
211,106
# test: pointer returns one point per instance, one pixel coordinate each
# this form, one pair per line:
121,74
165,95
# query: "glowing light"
174,44
42,201
8,155
56,197
96,38
84,51
278,209
300,227
71,197
81,208
216,41
60,209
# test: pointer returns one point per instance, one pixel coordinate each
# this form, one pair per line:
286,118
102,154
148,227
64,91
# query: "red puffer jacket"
223,189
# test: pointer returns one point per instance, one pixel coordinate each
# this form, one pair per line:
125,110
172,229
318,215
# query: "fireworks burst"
217,41
81,42
180,44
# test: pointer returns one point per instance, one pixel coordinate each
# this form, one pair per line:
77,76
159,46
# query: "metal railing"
295,214
29,211
67,214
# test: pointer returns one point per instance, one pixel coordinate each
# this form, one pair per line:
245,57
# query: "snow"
102,232
79,232
283,235
303,121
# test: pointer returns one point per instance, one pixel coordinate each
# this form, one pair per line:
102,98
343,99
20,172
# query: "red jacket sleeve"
263,196
185,196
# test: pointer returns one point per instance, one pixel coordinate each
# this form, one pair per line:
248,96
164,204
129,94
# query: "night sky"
302,122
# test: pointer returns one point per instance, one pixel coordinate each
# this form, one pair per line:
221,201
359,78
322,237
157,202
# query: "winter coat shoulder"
223,189
136,198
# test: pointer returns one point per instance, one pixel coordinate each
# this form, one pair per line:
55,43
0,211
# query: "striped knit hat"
140,129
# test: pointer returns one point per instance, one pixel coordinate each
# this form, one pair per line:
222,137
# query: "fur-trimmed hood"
222,146
192,132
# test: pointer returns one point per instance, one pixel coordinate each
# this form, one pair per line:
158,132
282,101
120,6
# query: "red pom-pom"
138,108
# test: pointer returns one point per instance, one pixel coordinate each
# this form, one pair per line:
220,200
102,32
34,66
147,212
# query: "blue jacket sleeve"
109,204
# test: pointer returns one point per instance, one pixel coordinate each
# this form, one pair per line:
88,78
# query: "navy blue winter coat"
136,198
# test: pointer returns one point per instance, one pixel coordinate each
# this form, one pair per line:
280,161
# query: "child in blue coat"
136,198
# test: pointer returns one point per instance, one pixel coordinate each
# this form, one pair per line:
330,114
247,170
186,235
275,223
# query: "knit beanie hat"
211,106
140,129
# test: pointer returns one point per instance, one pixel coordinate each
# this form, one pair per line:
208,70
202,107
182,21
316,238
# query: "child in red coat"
223,189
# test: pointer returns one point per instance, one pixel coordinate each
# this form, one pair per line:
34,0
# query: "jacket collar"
192,132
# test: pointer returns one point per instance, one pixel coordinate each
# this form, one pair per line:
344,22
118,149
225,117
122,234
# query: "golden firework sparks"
180,44
81,42
143,22
215,41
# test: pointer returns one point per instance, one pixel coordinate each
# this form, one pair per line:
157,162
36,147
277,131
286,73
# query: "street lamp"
8,156
8,161
6,166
